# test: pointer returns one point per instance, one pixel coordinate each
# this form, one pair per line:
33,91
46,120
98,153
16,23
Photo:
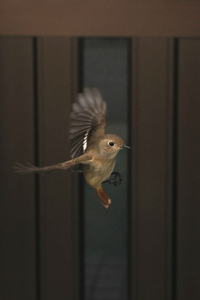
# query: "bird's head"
110,145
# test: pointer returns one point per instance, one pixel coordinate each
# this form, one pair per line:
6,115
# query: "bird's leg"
114,180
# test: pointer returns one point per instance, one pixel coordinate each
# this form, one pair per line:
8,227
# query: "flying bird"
91,148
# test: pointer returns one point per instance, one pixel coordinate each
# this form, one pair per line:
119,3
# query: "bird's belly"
96,173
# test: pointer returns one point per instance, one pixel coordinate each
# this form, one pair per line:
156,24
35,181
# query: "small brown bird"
90,146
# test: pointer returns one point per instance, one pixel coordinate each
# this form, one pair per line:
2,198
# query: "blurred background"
105,64
57,241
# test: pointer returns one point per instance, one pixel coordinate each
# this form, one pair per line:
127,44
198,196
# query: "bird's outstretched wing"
83,159
88,120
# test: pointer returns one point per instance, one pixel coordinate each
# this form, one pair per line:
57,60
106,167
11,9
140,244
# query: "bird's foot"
116,180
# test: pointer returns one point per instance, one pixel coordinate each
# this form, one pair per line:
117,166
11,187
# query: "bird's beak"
124,146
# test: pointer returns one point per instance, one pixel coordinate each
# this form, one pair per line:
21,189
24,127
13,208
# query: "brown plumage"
91,148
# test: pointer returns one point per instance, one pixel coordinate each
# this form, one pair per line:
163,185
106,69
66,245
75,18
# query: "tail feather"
105,200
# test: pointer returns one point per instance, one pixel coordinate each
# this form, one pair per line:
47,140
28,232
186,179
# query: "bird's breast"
98,171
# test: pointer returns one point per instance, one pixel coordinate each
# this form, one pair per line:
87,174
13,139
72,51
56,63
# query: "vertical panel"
17,213
105,66
188,208
58,196
151,183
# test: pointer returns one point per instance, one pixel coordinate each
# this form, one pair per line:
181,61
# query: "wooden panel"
151,182
17,213
100,18
188,207
57,84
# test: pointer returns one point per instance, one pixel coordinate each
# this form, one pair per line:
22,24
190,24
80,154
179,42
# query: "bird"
91,148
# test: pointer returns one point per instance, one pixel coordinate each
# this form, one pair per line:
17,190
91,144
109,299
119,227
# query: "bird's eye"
111,144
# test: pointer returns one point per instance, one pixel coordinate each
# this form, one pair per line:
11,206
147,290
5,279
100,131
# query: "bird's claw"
117,174
114,180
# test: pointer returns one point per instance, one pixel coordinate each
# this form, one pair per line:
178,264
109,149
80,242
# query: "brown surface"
39,236
39,249
17,193
188,190
100,18
151,181
58,198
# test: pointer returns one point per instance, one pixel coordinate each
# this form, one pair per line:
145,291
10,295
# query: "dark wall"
39,232
39,215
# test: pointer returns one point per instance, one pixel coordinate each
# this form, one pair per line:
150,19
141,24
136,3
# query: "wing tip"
88,112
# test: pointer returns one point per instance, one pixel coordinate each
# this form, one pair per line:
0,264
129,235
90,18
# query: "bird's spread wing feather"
83,159
88,117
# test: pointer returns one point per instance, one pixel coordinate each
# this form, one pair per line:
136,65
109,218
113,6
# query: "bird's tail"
105,200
